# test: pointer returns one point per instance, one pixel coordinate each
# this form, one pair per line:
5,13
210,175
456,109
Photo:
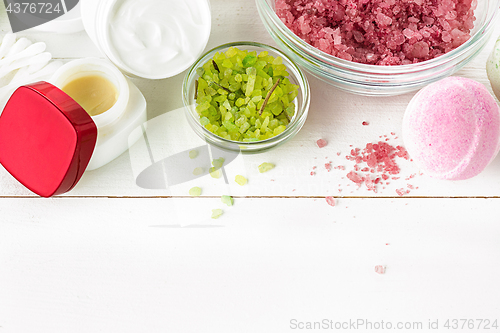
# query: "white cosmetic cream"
158,38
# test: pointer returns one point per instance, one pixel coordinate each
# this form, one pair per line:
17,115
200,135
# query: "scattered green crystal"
245,96
265,167
218,162
198,171
239,179
216,213
226,199
195,192
215,173
193,154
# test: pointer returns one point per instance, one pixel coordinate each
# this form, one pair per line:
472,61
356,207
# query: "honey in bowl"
94,93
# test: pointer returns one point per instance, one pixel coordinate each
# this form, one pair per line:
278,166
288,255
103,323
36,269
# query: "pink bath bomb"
451,128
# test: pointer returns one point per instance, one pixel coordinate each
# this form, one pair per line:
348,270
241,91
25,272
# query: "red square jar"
46,139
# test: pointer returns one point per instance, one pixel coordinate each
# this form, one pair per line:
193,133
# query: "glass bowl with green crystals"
245,96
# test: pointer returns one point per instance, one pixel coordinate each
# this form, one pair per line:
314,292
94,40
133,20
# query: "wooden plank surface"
162,265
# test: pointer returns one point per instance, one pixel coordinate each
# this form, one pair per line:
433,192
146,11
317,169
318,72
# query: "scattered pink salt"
330,201
365,123
380,160
321,143
402,191
379,269
353,176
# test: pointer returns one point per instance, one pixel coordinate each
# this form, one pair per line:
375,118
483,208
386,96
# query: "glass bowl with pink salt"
230,113
380,47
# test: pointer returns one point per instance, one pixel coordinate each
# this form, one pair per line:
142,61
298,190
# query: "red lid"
46,139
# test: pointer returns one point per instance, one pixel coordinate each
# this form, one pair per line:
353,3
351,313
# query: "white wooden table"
111,256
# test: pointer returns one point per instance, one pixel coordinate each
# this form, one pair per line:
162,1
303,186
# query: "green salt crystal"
265,167
216,213
249,60
227,63
195,192
231,52
252,75
215,173
277,61
200,71
244,127
240,180
204,121
290,110
218,162
197,171
279,130
193,154
226,199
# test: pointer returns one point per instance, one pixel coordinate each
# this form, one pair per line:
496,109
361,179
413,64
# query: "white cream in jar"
158,38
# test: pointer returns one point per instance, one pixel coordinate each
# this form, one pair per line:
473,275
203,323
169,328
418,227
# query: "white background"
112,257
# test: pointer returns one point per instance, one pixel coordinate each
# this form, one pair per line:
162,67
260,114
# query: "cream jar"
153,39
114,125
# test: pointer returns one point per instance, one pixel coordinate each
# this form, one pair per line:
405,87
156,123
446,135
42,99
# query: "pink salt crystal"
321,143
446,36
401,191
379,269
370,185
383,20
420,50
365,123
330,201
353,176
328,167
